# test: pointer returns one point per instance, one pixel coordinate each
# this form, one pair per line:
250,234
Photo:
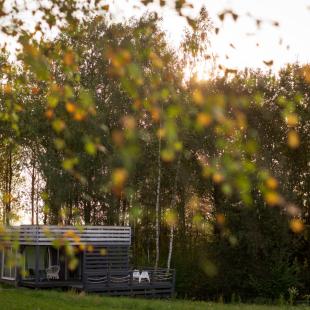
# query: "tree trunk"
173,203
157,209
33,180
87,212
8,187
37,203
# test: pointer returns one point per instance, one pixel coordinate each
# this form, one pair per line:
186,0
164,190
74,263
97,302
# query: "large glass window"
29,254
8,264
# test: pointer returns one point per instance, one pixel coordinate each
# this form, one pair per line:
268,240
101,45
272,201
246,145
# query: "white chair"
144,275
52,272
135,274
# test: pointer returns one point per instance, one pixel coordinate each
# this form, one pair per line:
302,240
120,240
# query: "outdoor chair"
136,274
144,275
52,272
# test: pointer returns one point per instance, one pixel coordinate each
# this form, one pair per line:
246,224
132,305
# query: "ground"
26,299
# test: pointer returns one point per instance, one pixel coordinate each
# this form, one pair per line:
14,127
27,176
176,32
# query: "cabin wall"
104,259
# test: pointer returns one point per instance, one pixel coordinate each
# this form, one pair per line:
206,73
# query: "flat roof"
51,234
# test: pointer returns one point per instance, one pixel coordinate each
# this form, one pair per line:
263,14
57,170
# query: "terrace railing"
113,279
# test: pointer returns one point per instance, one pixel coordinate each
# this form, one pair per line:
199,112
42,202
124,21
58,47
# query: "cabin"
88,258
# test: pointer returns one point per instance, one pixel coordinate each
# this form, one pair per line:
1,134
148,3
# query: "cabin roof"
50,235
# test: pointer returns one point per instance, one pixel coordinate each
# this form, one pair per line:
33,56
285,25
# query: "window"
29,254
8,264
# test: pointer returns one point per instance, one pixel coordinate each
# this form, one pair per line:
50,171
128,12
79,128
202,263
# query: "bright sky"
287,43
252,45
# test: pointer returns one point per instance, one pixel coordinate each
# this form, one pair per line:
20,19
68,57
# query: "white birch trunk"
173,202
157,211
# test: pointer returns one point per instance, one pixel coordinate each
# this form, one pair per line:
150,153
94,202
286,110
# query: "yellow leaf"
178,146
291,120
82,247
90,148
306,73
59,143
217,177
198,97
161,133
90,248
273,198
155,112
70,107
119,177
167,155
68,58
58,125
69,163
69,234
73,263
296,226
271,183
77,239
204,119
293,139
7,88
171,217
103,252
79,115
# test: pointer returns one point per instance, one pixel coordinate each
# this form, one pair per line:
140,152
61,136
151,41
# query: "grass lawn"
25,299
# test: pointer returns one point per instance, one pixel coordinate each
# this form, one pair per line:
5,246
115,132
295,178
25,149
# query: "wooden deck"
161,282
116,283
52,284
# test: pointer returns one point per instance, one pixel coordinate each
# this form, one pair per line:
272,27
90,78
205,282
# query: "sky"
239,44
251,46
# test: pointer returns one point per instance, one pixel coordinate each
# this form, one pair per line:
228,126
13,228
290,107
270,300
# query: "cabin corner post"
37,257
19,269
173,283
84,275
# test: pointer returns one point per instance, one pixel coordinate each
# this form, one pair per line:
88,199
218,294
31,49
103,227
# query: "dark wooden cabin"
37,257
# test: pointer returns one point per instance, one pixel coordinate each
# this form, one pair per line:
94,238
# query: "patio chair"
135,274
52,272
144,275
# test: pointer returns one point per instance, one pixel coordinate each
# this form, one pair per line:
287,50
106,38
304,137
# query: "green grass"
24,299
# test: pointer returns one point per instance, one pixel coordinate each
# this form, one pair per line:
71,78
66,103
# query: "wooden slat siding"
95,235
116,258
101,270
